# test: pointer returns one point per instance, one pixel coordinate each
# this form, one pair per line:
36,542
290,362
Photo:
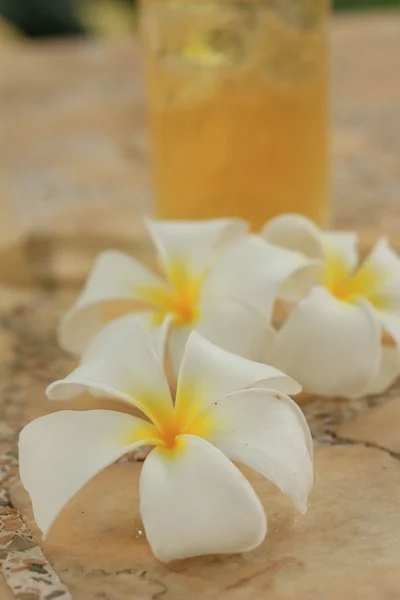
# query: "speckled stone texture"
342,546
73,180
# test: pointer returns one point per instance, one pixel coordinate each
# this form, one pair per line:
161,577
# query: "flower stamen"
187,417
346,285
180,298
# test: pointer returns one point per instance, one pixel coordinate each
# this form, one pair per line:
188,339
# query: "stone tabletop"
74,180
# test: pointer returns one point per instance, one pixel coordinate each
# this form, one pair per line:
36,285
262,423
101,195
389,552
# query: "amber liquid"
238,108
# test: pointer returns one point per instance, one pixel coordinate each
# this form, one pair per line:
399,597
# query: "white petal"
197,502
115,277
60,452
342,247
209,372
300,283
298,233
381,268
389,371
237,329
294,232
110,334
177,339
390,320
228,325
121,362
158,335
193,243
250,272
331,347
269,434
378,280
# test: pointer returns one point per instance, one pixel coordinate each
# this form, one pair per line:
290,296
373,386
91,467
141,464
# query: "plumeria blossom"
173,303
211,280
193,499
332,341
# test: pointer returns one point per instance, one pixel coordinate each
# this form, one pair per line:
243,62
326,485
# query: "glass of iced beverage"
238,107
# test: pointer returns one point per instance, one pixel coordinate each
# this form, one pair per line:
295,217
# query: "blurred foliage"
111,18
361,4
39,18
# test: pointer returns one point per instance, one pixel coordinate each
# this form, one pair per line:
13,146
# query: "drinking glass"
238,107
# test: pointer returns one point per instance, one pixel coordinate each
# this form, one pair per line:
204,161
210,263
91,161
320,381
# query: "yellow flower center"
347,285
188,416
180,298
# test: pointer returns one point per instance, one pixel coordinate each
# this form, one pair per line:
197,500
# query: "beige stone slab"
347,546
74,181
379,426
5,593
32,359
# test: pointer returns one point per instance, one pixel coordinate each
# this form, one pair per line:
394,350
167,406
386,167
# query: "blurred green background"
112,18
362,4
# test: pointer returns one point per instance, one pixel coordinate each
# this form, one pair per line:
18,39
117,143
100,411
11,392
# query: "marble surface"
74,180
97,547
378,427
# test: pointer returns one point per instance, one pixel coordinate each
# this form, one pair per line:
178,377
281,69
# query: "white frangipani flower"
211,283
332,342
193,499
